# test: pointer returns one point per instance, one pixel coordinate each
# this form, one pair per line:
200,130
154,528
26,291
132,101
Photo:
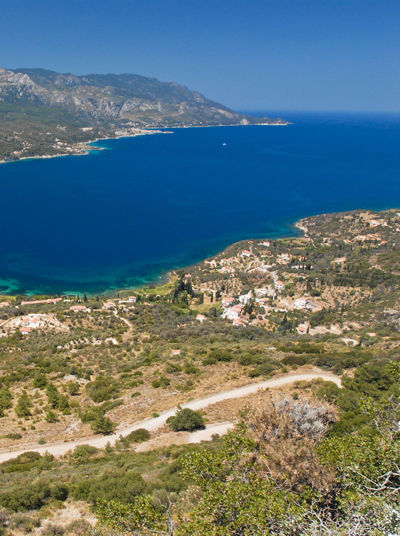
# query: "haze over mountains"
37,106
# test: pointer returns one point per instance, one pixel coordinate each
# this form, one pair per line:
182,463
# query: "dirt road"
60,448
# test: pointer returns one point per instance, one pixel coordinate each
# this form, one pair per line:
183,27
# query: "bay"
124,216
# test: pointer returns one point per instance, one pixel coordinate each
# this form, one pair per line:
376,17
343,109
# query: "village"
251,283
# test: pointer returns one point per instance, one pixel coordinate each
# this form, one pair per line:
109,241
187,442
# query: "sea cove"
128,214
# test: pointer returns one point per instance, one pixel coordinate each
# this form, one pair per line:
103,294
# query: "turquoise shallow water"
126,215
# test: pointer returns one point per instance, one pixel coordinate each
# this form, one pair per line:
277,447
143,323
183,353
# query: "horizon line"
299,110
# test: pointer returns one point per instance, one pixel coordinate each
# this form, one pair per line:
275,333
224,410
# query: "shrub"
39,381
186,420
137,436
59,492
326,362
51,416
91,414
23,406
189,368
13,435
329,391
209,360
173,368
162,381
82,453
79,527
297,360
5,400
73,388
117,484
103,425
103,388
52,395
220,355
26,497
53,530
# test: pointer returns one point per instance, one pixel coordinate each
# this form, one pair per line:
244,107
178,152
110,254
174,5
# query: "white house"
245,298
232,312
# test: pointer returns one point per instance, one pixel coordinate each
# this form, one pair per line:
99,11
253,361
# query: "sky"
329,55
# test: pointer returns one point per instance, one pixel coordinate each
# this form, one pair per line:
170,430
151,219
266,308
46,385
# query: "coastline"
85,148
298,228
167,276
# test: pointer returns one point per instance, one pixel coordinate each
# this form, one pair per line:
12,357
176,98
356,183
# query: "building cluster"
273,296
26,324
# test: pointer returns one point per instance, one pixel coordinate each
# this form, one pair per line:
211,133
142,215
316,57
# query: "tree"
103,425
186,420
52,395
39,381
236,499
5,400
51,416
103,388
23,405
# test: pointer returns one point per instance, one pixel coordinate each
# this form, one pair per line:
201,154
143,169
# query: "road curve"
151,424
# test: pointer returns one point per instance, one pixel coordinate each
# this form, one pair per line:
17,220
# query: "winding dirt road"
60,448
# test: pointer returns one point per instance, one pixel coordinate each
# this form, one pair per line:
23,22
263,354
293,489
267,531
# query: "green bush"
51,416
59,492
103,388
116,484
5,400
13,435
221,355
329,391
91,414
29,497
103,425
39,380
23,406
137,436
162,381
186,420
83,453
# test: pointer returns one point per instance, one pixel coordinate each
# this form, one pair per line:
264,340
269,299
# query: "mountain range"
43,112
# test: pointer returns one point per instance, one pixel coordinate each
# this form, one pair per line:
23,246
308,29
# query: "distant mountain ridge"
138,99
45,113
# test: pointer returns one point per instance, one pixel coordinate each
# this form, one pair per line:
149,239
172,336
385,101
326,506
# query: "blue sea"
124,216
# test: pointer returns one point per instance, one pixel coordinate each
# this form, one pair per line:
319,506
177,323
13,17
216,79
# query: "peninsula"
45,113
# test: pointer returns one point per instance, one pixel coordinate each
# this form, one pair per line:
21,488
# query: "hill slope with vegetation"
307,459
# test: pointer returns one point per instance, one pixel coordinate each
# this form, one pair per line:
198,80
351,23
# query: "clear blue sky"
248,54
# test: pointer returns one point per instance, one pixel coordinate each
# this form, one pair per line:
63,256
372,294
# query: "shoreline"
297,228
165,277
88,146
